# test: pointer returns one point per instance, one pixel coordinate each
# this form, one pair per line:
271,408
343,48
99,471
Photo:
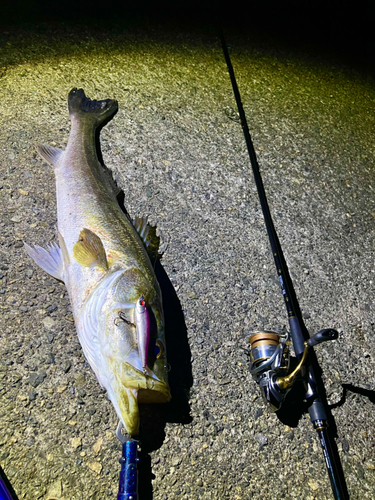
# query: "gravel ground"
176,150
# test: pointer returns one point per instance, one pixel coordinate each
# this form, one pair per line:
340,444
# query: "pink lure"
142,322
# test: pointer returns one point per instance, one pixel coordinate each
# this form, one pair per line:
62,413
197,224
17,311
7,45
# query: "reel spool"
268,350
262,346
269,357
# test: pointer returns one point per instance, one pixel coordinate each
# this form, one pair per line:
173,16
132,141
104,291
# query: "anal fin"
148,235
50,259
50,154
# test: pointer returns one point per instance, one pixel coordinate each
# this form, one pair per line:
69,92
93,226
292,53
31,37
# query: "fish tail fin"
81,106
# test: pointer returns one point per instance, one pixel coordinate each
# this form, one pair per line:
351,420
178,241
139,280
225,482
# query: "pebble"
176,461
54,491
76,442
259,412
313,484
80,380
32,395
36,379
48,322
97,446
95,466
345,446
360,471
50,359
66,366
261,439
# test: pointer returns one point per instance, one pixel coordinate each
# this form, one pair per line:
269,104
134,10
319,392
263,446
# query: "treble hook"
121,316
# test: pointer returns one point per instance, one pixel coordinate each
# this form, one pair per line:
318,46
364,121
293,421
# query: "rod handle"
128,483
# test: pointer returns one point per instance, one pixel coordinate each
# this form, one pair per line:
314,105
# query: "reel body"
270,363
269,358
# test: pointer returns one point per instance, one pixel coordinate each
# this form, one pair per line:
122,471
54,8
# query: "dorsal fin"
149,237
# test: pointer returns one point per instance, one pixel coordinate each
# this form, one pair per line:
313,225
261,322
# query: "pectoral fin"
89,250
50,259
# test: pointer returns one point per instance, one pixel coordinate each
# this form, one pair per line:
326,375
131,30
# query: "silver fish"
116,299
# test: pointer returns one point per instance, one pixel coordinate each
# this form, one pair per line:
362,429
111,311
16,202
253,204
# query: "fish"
102,258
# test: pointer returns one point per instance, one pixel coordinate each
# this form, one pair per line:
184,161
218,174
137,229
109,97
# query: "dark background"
342,28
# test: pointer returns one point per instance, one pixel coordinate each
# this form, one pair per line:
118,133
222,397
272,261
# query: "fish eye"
159,349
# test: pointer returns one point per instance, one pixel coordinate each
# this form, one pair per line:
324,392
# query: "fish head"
131,344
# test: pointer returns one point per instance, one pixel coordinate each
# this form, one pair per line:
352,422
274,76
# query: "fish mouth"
133,387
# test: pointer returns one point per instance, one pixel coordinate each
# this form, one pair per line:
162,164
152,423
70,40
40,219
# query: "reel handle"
322,336
328,334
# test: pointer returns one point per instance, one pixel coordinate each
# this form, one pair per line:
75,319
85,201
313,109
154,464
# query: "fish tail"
81,106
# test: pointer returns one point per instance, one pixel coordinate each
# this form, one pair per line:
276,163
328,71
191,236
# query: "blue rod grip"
4,491
128,483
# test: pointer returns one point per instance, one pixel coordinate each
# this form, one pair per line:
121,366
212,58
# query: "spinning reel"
270,363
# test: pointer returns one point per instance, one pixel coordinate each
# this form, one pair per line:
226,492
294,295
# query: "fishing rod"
6,490
269,352
128,481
